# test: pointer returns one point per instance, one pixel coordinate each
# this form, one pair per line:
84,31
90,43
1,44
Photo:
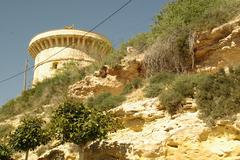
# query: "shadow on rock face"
54,155
107,151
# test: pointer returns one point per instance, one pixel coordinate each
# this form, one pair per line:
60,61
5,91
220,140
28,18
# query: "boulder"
92,85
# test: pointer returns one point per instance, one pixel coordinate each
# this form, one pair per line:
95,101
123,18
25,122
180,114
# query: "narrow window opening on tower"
75,40
71,40
65,41
54,65
53,42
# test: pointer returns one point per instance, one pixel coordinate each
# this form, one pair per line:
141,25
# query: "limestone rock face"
134,115
130,67
92,85
220,46
152,134
108,79
63,152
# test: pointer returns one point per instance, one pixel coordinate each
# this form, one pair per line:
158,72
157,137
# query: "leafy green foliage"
135,84
218,95
52,90
173,88
172,34
76,123
139,42
111,59
184,86
29,135
158,83
171,100
5,152
193,15
5,130
105,101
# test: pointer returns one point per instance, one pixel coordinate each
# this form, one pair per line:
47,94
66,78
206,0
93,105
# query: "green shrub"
29,135
218,95
105,101
171,100
158,83
194,15
172,88
135,84
184,85
5,130
52,90
76,123
139,42
112,59
5,152
173,33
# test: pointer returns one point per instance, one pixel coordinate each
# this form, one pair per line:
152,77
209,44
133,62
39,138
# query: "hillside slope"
176,91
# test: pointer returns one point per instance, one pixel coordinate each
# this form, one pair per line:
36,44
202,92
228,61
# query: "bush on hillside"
52,90
171,100
29,135
172,34
139,42
193,15
105,101
76,123
218,95
183,86
158,83
135,84
168,54
172,89
5,130
5,153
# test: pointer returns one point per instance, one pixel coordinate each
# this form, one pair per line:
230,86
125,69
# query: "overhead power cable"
72,43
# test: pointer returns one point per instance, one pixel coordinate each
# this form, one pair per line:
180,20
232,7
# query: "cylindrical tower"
54,48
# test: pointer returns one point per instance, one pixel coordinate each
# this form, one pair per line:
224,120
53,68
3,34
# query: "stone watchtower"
54,48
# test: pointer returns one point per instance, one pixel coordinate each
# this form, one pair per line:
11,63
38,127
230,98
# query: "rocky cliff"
218,47
150,133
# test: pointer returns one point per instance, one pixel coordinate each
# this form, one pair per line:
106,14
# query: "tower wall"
54,48
47,67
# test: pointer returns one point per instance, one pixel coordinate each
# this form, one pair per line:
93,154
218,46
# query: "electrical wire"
72,43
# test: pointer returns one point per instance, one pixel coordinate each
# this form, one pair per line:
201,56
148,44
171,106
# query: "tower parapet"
54,48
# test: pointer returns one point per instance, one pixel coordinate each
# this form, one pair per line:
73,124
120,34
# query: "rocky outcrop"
151,134
131,67
109,79
92,85
62,152
218,47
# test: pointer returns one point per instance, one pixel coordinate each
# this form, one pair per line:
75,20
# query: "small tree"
75,123
29,135
5,153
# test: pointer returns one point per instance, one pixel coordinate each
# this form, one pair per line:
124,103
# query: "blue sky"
20,20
